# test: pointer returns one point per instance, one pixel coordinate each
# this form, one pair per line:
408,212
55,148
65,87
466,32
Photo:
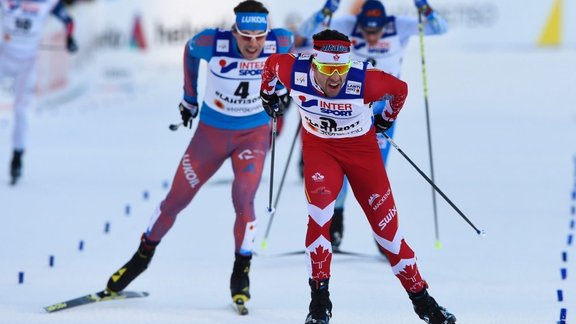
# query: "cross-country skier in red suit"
233,125
333,94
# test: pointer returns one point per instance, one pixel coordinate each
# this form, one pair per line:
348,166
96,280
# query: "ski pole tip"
482,233
438,245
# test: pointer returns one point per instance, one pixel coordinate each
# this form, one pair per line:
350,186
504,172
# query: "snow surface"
503,124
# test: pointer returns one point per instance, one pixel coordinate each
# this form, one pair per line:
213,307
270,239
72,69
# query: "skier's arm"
310,25
379,86
197,48
278,67
61,13
434,24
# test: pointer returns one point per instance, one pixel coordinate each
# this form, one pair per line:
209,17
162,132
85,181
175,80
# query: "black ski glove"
285,100
381,124
271,104
188,112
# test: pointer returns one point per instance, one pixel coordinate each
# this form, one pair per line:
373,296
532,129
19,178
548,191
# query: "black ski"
100,296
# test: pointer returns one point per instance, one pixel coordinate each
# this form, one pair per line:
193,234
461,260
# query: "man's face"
250,42
331,84
371,35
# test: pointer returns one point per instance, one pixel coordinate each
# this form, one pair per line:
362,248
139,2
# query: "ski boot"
139,262
337,228
240,282
320,309
428,309
16,166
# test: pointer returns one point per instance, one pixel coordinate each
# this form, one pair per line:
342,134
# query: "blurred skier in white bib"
22,25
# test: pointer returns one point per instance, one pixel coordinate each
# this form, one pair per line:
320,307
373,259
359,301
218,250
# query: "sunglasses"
249,37
329,69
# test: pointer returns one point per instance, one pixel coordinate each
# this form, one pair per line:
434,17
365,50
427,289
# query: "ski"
239,303
281,254
341,252
100,296
357,254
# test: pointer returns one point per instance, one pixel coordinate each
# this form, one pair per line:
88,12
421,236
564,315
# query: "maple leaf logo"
410,272
318,257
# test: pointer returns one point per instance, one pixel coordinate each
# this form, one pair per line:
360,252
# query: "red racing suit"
338,140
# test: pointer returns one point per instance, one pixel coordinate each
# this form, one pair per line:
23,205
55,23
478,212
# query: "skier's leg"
337,226
203,157
323,180
23,95
193,171
376,199
371,188
248,159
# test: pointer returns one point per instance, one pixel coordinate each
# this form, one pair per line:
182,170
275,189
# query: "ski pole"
272,152
479,232
429,132
264,240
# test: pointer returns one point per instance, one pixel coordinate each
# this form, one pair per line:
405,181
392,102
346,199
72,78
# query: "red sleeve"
380,85
278,67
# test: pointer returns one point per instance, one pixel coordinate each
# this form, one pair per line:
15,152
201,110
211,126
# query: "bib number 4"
242,90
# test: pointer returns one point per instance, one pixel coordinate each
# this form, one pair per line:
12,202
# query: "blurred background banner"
490,23
150,31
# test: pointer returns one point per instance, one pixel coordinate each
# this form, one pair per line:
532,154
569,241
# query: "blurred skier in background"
333,93
381,40
22,24
232,125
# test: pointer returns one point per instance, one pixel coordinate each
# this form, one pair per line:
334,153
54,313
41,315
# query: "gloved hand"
188,112
420,3
381,124
423,7
71,45
330,7
271,104
285,100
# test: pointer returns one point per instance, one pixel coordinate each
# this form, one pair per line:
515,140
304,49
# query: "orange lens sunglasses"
329,68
